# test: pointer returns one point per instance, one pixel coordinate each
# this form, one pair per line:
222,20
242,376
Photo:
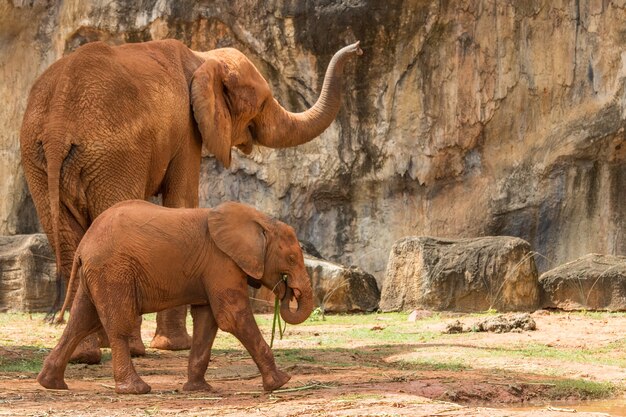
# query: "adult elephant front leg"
180,190
171,332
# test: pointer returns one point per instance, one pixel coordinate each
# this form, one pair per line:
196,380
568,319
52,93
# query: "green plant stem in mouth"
281,328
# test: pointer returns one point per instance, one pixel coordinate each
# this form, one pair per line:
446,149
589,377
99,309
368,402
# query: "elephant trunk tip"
356,48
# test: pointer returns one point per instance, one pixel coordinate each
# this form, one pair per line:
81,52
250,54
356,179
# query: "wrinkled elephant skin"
106,124
139,258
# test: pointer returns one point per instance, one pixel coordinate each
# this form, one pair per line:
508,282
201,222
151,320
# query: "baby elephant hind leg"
204,330
119,317
83,321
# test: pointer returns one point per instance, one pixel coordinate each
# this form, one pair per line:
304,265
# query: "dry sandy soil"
366,365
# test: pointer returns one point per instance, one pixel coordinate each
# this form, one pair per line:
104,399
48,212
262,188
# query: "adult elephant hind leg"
83,321
204,330
71,231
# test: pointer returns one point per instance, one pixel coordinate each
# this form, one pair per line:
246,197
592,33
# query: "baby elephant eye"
284,277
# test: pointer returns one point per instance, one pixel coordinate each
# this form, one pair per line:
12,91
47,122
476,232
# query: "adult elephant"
112,123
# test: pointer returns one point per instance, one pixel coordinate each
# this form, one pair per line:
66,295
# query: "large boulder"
336,289
460,275
340,289
593,282
27,273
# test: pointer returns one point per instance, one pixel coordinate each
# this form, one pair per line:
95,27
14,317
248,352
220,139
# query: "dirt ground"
366,365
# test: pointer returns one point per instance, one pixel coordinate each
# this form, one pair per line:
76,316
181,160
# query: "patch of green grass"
538,350
431,365
386,335
363,319
599,315
29,360
293,355
583,389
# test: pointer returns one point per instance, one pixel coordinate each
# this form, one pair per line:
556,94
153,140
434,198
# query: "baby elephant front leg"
244,327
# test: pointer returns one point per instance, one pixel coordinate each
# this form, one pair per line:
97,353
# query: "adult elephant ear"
236,232
210,109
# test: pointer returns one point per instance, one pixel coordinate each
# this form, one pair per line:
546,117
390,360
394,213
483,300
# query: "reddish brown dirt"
365,383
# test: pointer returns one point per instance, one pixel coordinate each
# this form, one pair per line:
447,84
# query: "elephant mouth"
280,289
291,299
288,296
296,302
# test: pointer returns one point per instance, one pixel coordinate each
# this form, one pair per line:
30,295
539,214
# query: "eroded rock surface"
461,119
593,282
27,273
460,275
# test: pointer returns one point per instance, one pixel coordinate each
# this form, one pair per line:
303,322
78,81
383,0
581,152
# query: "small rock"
515,389
541,312
498,324
419,315
454,327
451,395
523,321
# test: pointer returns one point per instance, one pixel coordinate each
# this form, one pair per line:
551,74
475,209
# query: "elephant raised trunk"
304,298
292,129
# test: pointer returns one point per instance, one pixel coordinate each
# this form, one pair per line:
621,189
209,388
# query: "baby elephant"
140,258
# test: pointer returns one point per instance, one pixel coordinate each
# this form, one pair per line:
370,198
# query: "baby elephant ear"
210,109
235,231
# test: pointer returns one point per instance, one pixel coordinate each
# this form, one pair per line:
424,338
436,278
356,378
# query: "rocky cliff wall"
462,118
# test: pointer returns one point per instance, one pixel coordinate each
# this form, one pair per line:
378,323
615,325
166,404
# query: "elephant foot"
197,386
177,342
88,351
50,382
275,381
137,386
171,331
136,347
92,356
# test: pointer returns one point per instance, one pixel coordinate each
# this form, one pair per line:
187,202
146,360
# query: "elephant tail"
54,160
71,289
